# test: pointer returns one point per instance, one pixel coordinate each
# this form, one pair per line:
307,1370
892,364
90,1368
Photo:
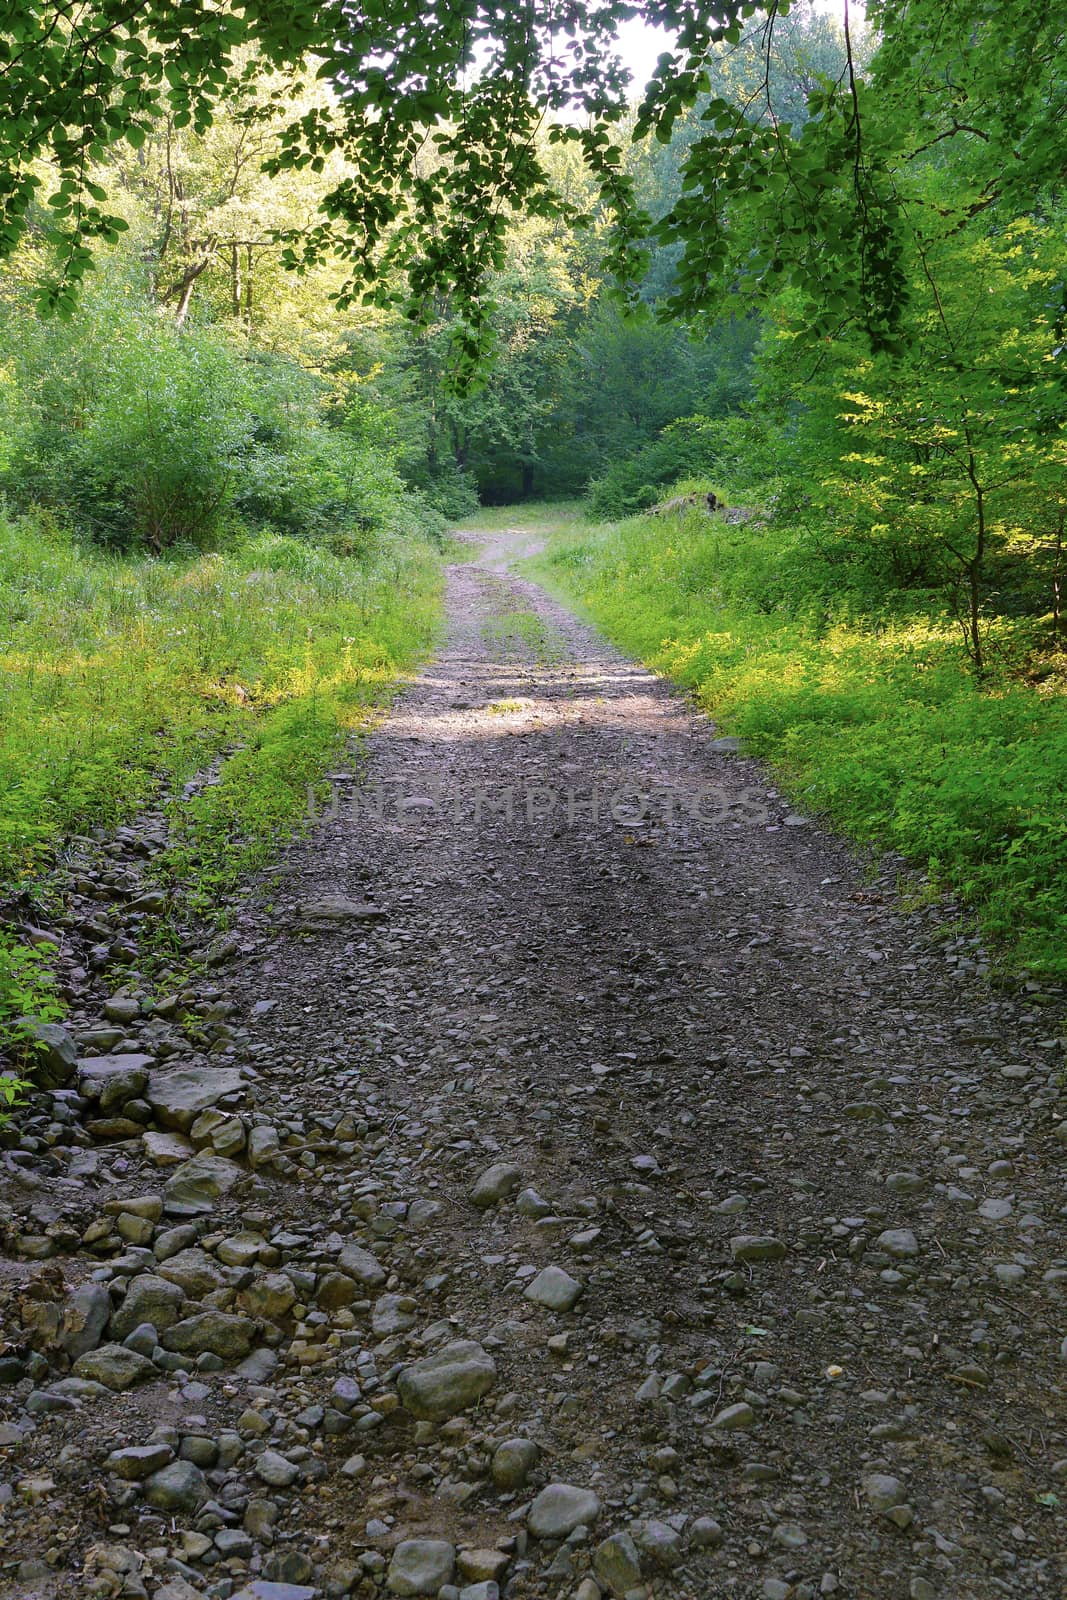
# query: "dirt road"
723,1179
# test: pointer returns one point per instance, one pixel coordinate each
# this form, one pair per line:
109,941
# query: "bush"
451,492
134,431
692,448
146,437
636,482
163,452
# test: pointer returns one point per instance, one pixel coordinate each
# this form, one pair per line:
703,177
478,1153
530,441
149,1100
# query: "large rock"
148,1299
114,1366
179,1487
480,1566
269,1296
195,1186
273,1468
260,1366
756,1247
178,1097
498,1182
659,1542
361,1265
334,1291
420,1566
53,1057
221,1130
85,1316
215,1333
139,1461
617,1564
736,1418
513,1461
554,1288
899,1242
122,1008
119,1078
337,908
240,1249
883,1491
560,1508
166,1149
194,1271
393,1313
119,1088
442,1385
264,1144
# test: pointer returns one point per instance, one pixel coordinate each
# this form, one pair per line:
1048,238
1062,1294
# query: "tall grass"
861,696
120,678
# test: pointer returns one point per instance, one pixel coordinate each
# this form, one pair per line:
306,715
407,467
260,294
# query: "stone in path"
442,1385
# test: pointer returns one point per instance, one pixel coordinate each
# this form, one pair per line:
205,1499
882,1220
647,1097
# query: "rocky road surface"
571,1176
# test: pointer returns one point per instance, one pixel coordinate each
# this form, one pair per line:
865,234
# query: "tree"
947,463
435,108
437,151
206,218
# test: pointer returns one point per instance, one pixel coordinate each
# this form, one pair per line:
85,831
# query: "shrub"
146,437
162,454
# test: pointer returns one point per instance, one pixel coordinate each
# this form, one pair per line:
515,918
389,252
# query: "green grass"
861,698
121,678
521,632
535,516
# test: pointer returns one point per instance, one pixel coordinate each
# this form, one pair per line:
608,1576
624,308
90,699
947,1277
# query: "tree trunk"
974,572
182,291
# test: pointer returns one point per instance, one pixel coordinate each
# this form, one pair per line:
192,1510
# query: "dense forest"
263,404
912,399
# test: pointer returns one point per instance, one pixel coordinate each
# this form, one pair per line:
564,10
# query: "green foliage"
633,483
164,447
10,1095
87,78
802,178
449,491
120,677
858,692
627,382
27,989
27,984
326,483
144,434
949,460
741,448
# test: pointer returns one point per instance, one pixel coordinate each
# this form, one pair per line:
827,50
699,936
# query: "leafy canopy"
435,109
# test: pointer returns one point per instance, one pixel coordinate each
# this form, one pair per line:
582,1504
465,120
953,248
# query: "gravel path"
724,1180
